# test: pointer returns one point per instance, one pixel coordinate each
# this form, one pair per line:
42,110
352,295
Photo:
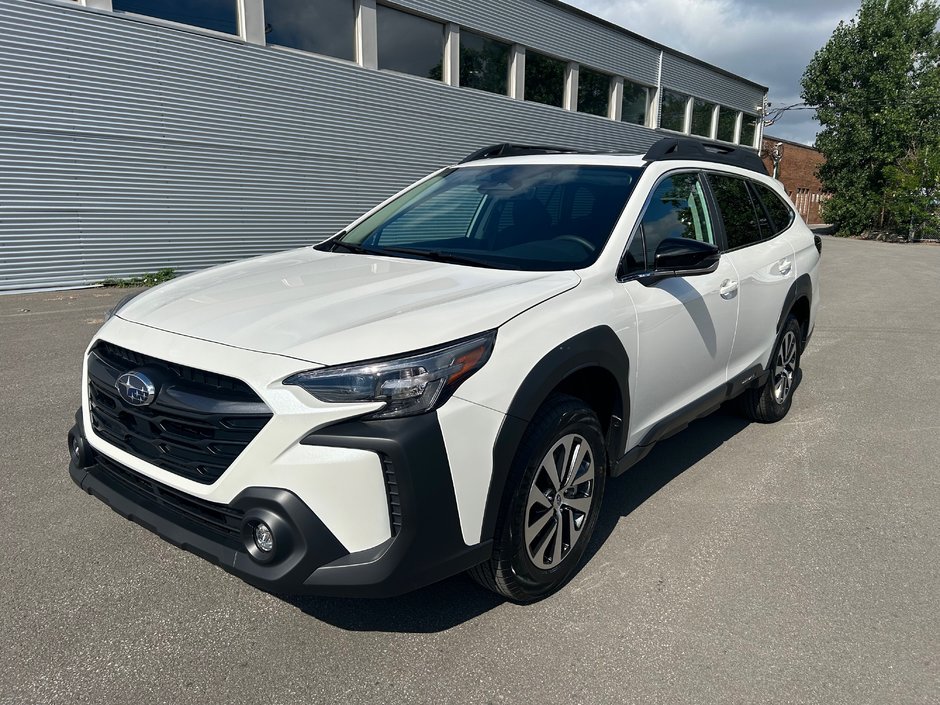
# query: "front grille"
222,521
197,425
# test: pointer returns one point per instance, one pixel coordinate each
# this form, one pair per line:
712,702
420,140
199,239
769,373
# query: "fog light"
264,538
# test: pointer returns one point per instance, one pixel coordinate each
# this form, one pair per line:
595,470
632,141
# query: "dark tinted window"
530,217
726,121
544,79
780,213
672,112
410,44
323,27
593,92
702,118
635,103
484,63
737,210
220,15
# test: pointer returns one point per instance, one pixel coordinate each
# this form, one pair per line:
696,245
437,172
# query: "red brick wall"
798,175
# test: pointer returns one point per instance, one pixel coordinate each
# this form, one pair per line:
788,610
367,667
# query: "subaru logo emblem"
136,388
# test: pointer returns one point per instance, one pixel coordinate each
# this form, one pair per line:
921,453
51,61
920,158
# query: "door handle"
728,288
784,267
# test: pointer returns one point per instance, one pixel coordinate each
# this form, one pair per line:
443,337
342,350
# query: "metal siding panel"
128,146
694,79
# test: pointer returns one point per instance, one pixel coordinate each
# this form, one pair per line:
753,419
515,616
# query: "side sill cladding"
596,347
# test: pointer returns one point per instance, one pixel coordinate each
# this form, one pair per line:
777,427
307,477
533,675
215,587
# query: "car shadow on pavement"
451,602
668,459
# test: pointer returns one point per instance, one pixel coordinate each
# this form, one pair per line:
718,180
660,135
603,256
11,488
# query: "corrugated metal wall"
127,147
689,77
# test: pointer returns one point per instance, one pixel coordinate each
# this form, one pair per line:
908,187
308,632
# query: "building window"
748,130
702,113
726,122
322,27
593,92
217,15
484,63
410,44
673,111
635,104
544,79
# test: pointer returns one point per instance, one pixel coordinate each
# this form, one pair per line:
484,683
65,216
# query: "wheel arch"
798,302
592,366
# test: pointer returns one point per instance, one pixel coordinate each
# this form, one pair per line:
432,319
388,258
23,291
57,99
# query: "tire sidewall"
535,581
776,408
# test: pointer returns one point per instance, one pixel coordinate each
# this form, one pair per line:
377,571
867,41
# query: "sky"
767,41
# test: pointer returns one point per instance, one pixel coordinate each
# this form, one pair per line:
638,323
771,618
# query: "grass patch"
147,279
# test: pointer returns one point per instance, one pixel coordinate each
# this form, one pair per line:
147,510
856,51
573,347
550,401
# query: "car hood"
330,308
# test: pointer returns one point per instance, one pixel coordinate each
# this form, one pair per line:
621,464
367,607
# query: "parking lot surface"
738,563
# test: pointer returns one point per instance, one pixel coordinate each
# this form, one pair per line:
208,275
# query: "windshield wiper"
440,256
350,247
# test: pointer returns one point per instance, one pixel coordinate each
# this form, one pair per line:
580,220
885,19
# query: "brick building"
797,172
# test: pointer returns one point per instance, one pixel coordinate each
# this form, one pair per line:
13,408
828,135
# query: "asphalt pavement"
738,563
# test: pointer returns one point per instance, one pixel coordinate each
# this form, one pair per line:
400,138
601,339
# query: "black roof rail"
515,150
685,148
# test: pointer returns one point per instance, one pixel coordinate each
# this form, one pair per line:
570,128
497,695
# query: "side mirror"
681,257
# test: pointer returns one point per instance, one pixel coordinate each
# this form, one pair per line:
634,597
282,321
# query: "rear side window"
779,212
738,213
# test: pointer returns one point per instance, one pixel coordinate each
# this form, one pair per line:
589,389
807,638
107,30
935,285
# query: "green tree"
876,89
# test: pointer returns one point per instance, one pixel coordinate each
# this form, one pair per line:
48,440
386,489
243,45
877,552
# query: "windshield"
533,217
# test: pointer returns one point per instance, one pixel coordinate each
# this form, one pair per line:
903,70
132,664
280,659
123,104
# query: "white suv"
448,383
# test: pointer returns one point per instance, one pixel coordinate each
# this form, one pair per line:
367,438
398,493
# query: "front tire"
557,482
771,402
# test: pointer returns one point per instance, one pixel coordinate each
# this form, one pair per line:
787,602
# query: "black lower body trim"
307,558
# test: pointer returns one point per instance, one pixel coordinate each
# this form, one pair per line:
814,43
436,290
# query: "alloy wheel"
785,367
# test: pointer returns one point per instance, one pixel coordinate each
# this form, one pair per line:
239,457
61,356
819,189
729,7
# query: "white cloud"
769,42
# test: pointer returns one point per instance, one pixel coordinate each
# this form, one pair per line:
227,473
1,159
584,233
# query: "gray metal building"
142,134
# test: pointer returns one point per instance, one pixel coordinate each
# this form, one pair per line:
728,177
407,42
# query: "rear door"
763,264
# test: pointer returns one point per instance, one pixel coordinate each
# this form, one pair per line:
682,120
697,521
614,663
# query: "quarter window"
673,111
323,27
737,210
544,79
218,15
779,212
484,63
410,44
593,92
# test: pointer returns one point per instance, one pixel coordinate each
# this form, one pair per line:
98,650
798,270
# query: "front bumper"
427,545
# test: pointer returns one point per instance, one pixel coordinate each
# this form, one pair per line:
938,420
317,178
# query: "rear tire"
557,483
771,401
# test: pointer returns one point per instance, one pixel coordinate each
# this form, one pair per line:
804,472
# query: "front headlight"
408,385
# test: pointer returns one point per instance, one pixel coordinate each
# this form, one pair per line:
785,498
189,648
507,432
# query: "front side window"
635,103
484,63
218,15
410,44
593,92
702,113
677,208
738,213
673,111
543,217
323,27
544,79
